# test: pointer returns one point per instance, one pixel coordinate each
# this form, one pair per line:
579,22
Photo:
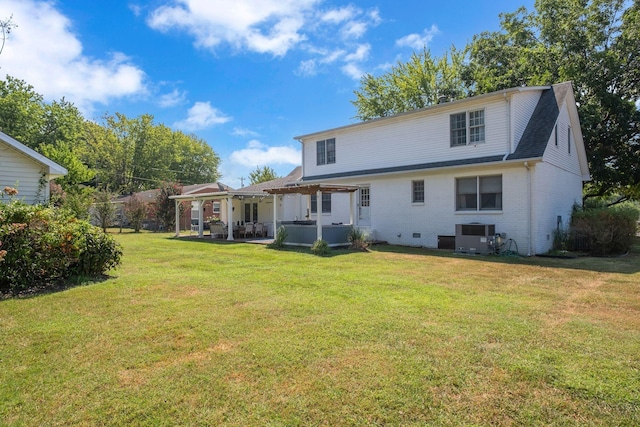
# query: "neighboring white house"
513,158
26,170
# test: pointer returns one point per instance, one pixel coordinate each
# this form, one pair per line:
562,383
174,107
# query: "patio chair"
260,230
248,229
217,229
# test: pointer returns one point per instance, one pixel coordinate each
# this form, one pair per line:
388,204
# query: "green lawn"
195,332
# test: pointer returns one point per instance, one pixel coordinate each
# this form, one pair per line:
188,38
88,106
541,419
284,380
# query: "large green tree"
134,154
596,45
422,81
262,174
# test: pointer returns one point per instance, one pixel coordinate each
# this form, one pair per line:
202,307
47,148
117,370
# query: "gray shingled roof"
294,176
538,131
532,144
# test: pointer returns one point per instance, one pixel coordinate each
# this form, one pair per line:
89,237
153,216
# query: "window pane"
466,194
326,203
320,150
331,150
247,212
458,129
314,203
255,212
418,191
491,192
476,126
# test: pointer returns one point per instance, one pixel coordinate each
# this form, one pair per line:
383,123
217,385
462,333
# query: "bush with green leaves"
44,246
607,231
357,239
320,247
279,238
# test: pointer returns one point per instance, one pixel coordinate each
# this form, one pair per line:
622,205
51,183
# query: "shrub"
357,239
279,238
320,248
606,230
43,246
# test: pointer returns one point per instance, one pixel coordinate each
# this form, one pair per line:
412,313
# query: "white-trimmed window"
326,203
216,207
417,191
467,128
479,193
326,151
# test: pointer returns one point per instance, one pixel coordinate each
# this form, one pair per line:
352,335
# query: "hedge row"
605,231
41,247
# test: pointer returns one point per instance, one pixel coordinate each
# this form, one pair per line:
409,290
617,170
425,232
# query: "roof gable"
53,169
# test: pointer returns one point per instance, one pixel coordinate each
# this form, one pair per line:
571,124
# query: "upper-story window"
467,128
326,151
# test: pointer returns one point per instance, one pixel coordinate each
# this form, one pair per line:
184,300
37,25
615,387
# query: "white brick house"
514,158
26,170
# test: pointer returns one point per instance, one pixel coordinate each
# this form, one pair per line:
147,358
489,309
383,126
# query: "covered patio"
238,207
305,232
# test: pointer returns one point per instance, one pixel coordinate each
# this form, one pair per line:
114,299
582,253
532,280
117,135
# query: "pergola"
318,190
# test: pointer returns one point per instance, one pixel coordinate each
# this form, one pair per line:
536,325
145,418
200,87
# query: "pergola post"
200,218
275,214
319,214
177,217
229,218
351,208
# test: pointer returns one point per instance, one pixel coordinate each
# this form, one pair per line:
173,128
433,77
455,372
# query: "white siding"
555,191
423,137
522,106
395,219
19,171
560,155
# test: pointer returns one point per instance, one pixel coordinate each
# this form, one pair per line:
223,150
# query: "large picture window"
326,203
467,128
479,193
326,151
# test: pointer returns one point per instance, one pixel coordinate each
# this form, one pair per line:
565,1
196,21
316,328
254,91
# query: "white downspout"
529,208
351,208
507,99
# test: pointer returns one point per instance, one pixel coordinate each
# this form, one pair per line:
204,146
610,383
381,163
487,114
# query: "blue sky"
244,75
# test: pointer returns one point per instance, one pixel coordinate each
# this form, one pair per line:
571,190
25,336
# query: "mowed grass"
195,332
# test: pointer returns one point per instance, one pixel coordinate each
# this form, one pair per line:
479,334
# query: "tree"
424,80
165,208
6,26
103,210
596,45
136,211
262,174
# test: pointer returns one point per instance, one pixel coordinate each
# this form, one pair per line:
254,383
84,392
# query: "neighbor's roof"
54,169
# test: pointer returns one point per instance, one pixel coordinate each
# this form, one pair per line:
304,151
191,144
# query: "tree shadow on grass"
74,282
628,263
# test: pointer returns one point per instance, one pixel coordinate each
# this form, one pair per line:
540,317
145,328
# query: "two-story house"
514,159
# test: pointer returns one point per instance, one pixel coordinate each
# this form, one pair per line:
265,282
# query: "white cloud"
257,154
418,41
242,132
172,99
353,70
202,116
44,51
336,16
263,26
307,68
361,54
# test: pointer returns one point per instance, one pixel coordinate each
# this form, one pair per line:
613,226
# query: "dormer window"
467,128
326,151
